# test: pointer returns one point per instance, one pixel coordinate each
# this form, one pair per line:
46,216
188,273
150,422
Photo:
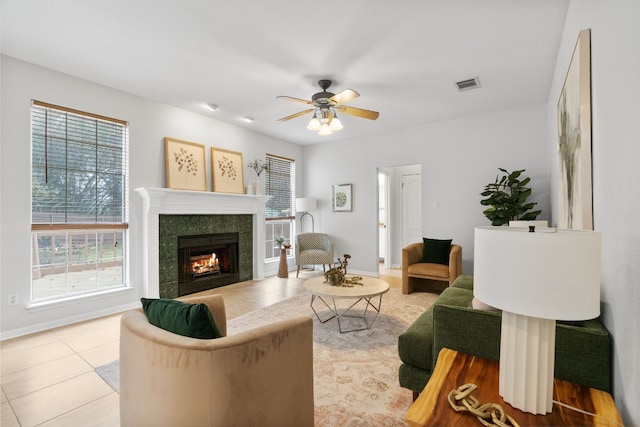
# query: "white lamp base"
527,355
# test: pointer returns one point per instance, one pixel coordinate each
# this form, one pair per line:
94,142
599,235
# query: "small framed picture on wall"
342,197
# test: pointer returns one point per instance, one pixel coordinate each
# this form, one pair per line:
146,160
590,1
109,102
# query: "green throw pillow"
189,320
436,251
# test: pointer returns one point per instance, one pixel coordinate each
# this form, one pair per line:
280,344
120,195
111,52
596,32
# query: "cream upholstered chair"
263,376
313,248
415,272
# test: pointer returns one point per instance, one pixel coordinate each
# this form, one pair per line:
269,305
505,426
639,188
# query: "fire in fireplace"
202,265
207,261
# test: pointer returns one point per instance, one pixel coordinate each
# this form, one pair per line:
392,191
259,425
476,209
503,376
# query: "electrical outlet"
13,299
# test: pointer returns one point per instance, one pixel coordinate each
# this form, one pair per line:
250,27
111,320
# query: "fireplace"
182,209
207,261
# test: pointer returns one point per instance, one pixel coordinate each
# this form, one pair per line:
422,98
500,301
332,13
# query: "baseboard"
14,333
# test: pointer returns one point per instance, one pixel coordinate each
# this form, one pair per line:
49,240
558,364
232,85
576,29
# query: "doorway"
383,220
399,212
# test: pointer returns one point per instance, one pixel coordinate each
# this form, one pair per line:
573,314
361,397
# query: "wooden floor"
48,378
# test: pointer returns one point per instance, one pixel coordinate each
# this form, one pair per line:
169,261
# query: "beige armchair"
415,272
313,248
259,377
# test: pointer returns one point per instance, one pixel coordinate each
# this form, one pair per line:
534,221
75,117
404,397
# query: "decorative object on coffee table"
337,276
186,167
227,175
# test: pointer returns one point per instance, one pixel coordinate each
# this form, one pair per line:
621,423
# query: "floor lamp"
536,277
306,204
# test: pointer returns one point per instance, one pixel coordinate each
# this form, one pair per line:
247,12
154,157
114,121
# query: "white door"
411,209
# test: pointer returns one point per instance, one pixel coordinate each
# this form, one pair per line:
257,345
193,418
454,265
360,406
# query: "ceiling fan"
326,105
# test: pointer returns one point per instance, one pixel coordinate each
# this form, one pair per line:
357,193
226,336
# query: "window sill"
277,260
76,299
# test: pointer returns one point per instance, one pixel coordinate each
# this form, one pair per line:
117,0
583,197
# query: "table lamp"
536,276
306,204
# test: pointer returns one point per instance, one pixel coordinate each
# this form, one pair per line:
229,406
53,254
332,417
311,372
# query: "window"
79,190
279,210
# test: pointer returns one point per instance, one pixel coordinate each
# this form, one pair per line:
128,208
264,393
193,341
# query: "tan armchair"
415,272
313,248
263,376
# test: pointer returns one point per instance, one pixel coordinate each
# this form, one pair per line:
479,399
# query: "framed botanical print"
227,167
186,166
342,198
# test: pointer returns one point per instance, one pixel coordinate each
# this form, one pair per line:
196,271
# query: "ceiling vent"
468,84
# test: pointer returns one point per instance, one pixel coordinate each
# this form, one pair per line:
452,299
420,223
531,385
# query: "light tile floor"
48,378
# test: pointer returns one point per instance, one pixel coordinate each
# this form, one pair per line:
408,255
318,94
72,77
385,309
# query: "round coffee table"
371,287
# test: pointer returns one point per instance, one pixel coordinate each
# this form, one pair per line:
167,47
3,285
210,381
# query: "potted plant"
506,198
279,241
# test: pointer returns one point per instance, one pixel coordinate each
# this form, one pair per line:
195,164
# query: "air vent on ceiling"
468,84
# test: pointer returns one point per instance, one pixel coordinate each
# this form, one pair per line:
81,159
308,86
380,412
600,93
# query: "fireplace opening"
207,261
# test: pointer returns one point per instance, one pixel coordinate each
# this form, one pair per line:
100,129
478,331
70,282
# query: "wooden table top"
371,286
455,369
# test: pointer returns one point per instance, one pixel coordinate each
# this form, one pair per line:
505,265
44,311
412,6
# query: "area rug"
355,373
110,373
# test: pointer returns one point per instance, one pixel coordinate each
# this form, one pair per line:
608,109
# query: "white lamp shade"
325,130
335,124
314,124
549,274
305,204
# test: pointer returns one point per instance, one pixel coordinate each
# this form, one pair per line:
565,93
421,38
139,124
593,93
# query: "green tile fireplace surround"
172,226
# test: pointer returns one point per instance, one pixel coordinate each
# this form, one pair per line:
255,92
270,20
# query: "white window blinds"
281,186
79,167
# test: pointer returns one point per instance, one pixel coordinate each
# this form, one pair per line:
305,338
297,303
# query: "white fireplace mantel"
158,201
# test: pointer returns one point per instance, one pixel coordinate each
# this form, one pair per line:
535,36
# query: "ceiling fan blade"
359,112
293,116
344,96
290,98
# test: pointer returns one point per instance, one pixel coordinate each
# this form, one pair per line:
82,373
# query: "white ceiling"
402,56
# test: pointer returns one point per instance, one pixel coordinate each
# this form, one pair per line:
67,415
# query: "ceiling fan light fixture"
314,124
323,105
325,116
335,123
325,130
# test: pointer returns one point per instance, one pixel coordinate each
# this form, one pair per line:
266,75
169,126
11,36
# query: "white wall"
149,123
615,67
458,157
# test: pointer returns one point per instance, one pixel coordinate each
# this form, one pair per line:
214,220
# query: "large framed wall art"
574,140
227,171
186,166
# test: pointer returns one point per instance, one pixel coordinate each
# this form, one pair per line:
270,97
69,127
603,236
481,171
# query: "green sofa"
583,353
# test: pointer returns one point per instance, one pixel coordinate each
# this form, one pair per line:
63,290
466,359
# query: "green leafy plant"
506,198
